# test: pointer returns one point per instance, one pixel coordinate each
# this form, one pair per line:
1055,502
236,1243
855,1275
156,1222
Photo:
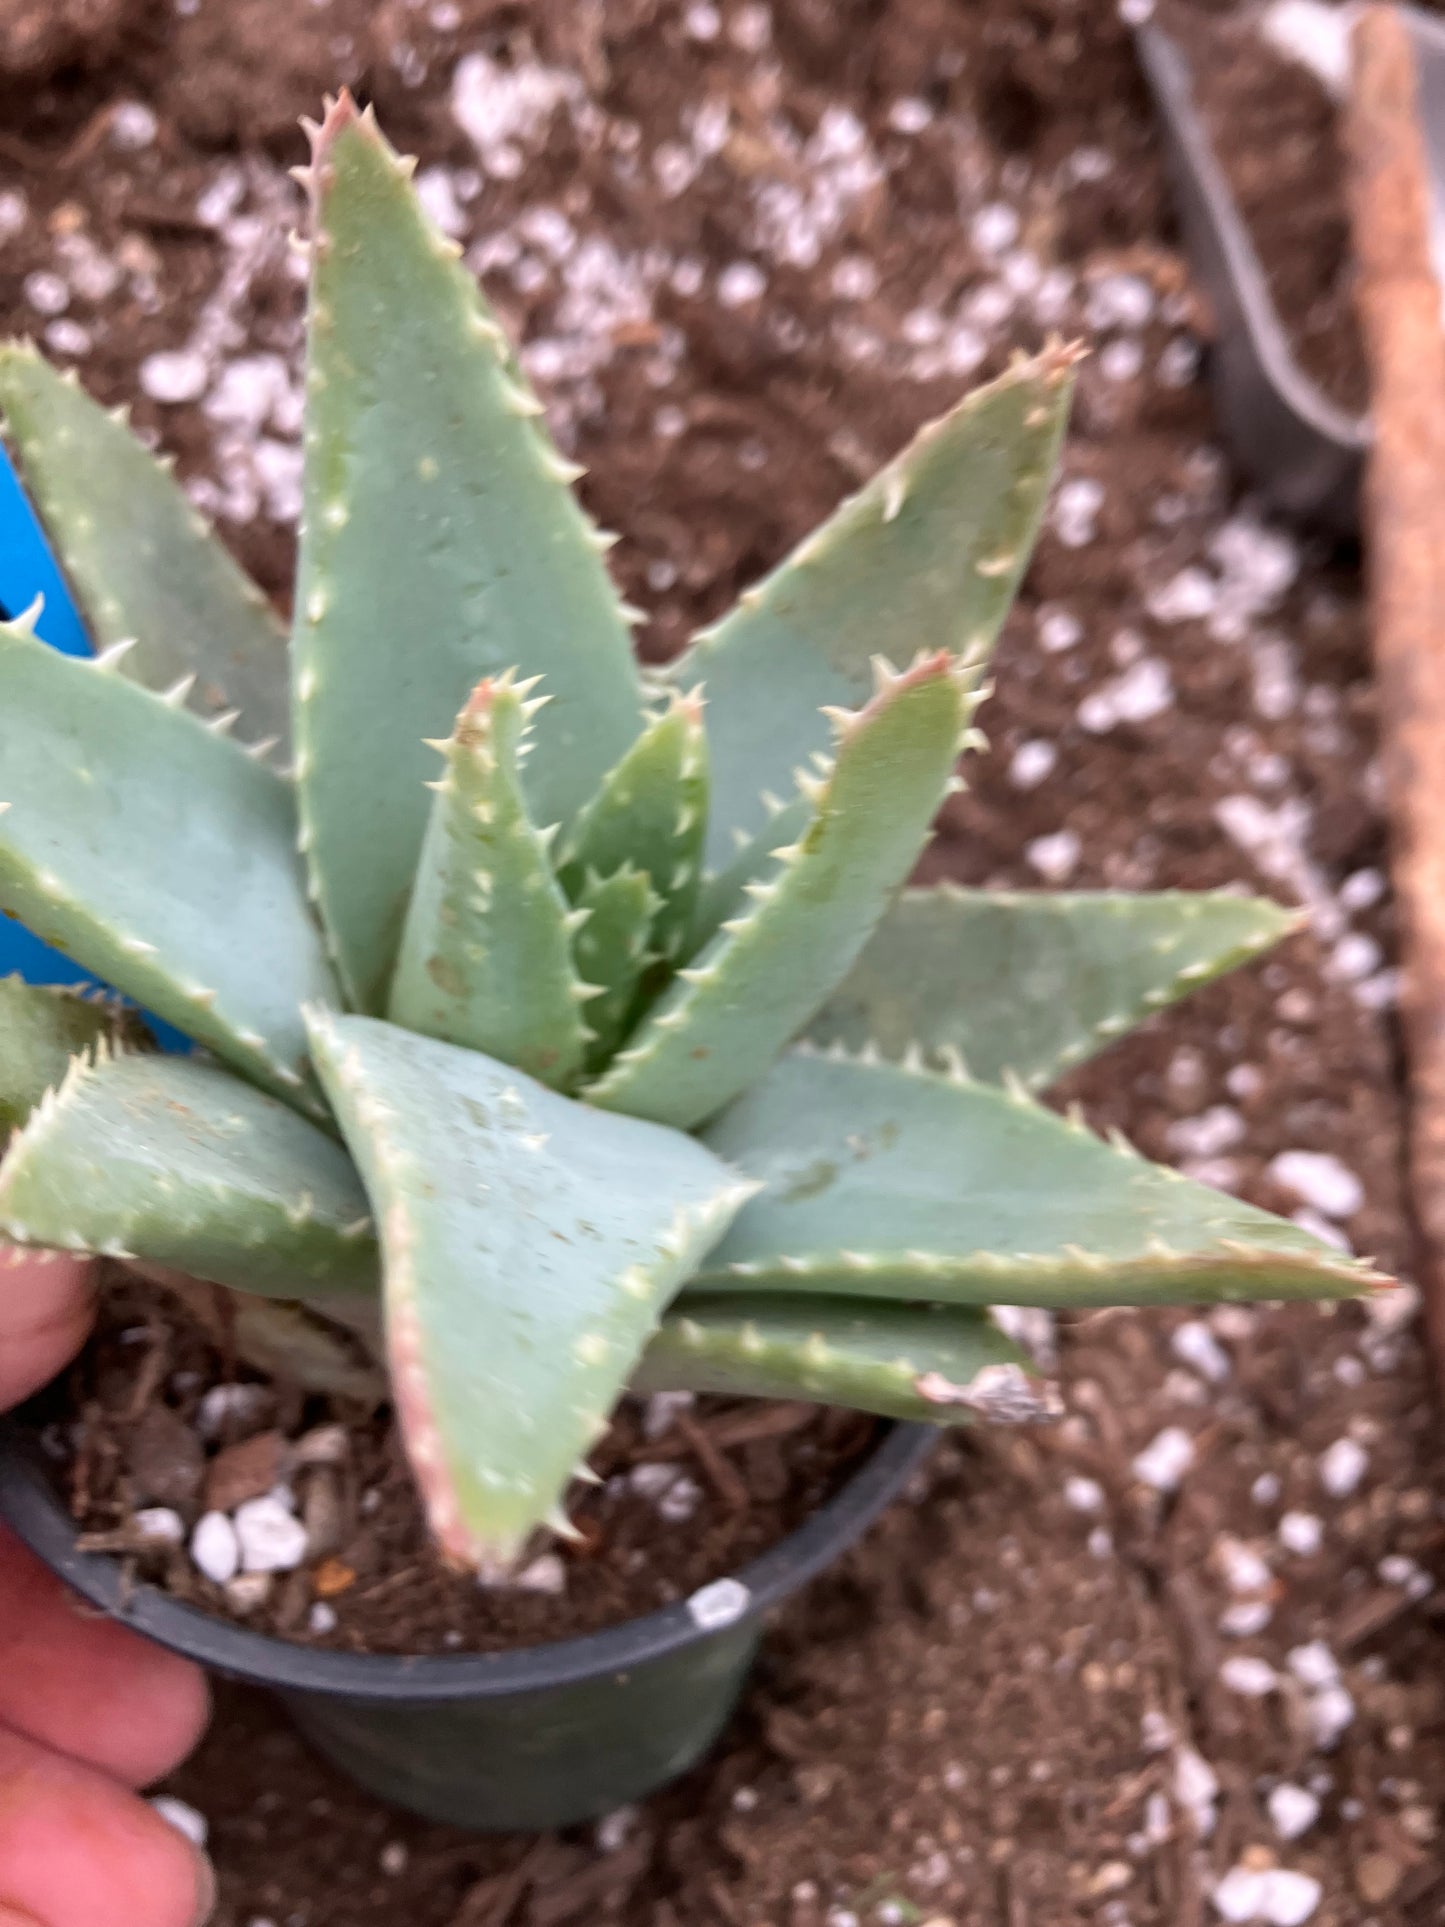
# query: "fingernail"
205,1890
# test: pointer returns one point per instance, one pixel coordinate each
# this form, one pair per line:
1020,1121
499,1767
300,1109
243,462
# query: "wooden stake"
1400,313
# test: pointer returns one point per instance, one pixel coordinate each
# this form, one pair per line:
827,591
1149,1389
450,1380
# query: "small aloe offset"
579,1020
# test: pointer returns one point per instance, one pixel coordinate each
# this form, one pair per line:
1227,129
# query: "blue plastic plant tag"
28,570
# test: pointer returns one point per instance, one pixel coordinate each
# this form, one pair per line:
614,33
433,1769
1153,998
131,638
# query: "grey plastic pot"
1305,453
497,1741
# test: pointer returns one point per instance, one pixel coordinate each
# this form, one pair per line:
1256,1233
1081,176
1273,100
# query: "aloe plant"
583,1019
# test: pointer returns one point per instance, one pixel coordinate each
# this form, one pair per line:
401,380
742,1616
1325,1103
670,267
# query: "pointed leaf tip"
338,112
1028,984
901,558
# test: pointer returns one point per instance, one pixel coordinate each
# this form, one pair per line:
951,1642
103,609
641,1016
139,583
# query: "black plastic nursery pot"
541,1737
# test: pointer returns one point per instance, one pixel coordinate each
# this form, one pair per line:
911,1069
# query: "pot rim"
29,1505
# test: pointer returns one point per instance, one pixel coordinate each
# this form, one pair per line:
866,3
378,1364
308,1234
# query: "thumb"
46,1305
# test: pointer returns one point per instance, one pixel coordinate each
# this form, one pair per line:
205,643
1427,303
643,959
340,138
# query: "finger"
86,1686
46,1305
76,1849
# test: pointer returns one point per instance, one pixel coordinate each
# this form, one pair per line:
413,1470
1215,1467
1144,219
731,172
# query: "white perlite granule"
503,109
132,125
224,1405
1245,1572
1398,1570
652,1478
46,292
1320,1180
1250,1677
1195,1345
1054,857
1246,1618
1083,1495
1329,1708
1165,1460
1119,301
1313,1665
1075,511
248,1591
1122,360
1144,690
175,375
1207,1135
1292,1810
1270,1896
741,282
614,1828
215,1550
1315,35
270,1536
680,1501
1301,1533
994,228
721,1604
1032,762
1058,630
545,1574
1342,1466
1188,596
158,1525
1196,1788
660,1411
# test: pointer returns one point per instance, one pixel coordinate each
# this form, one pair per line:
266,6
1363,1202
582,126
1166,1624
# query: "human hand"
88,1712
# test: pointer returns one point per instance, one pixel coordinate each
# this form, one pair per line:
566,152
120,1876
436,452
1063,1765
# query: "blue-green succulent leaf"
1030,984
530,1245
727,1015
934,1364
486,955
885,1182
174,1161
441,544
146,570
612,949
41,1028
160,856
651,813
926,556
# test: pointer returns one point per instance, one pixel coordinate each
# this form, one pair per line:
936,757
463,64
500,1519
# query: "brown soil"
37,37
993,1714
1277,133
683,1500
